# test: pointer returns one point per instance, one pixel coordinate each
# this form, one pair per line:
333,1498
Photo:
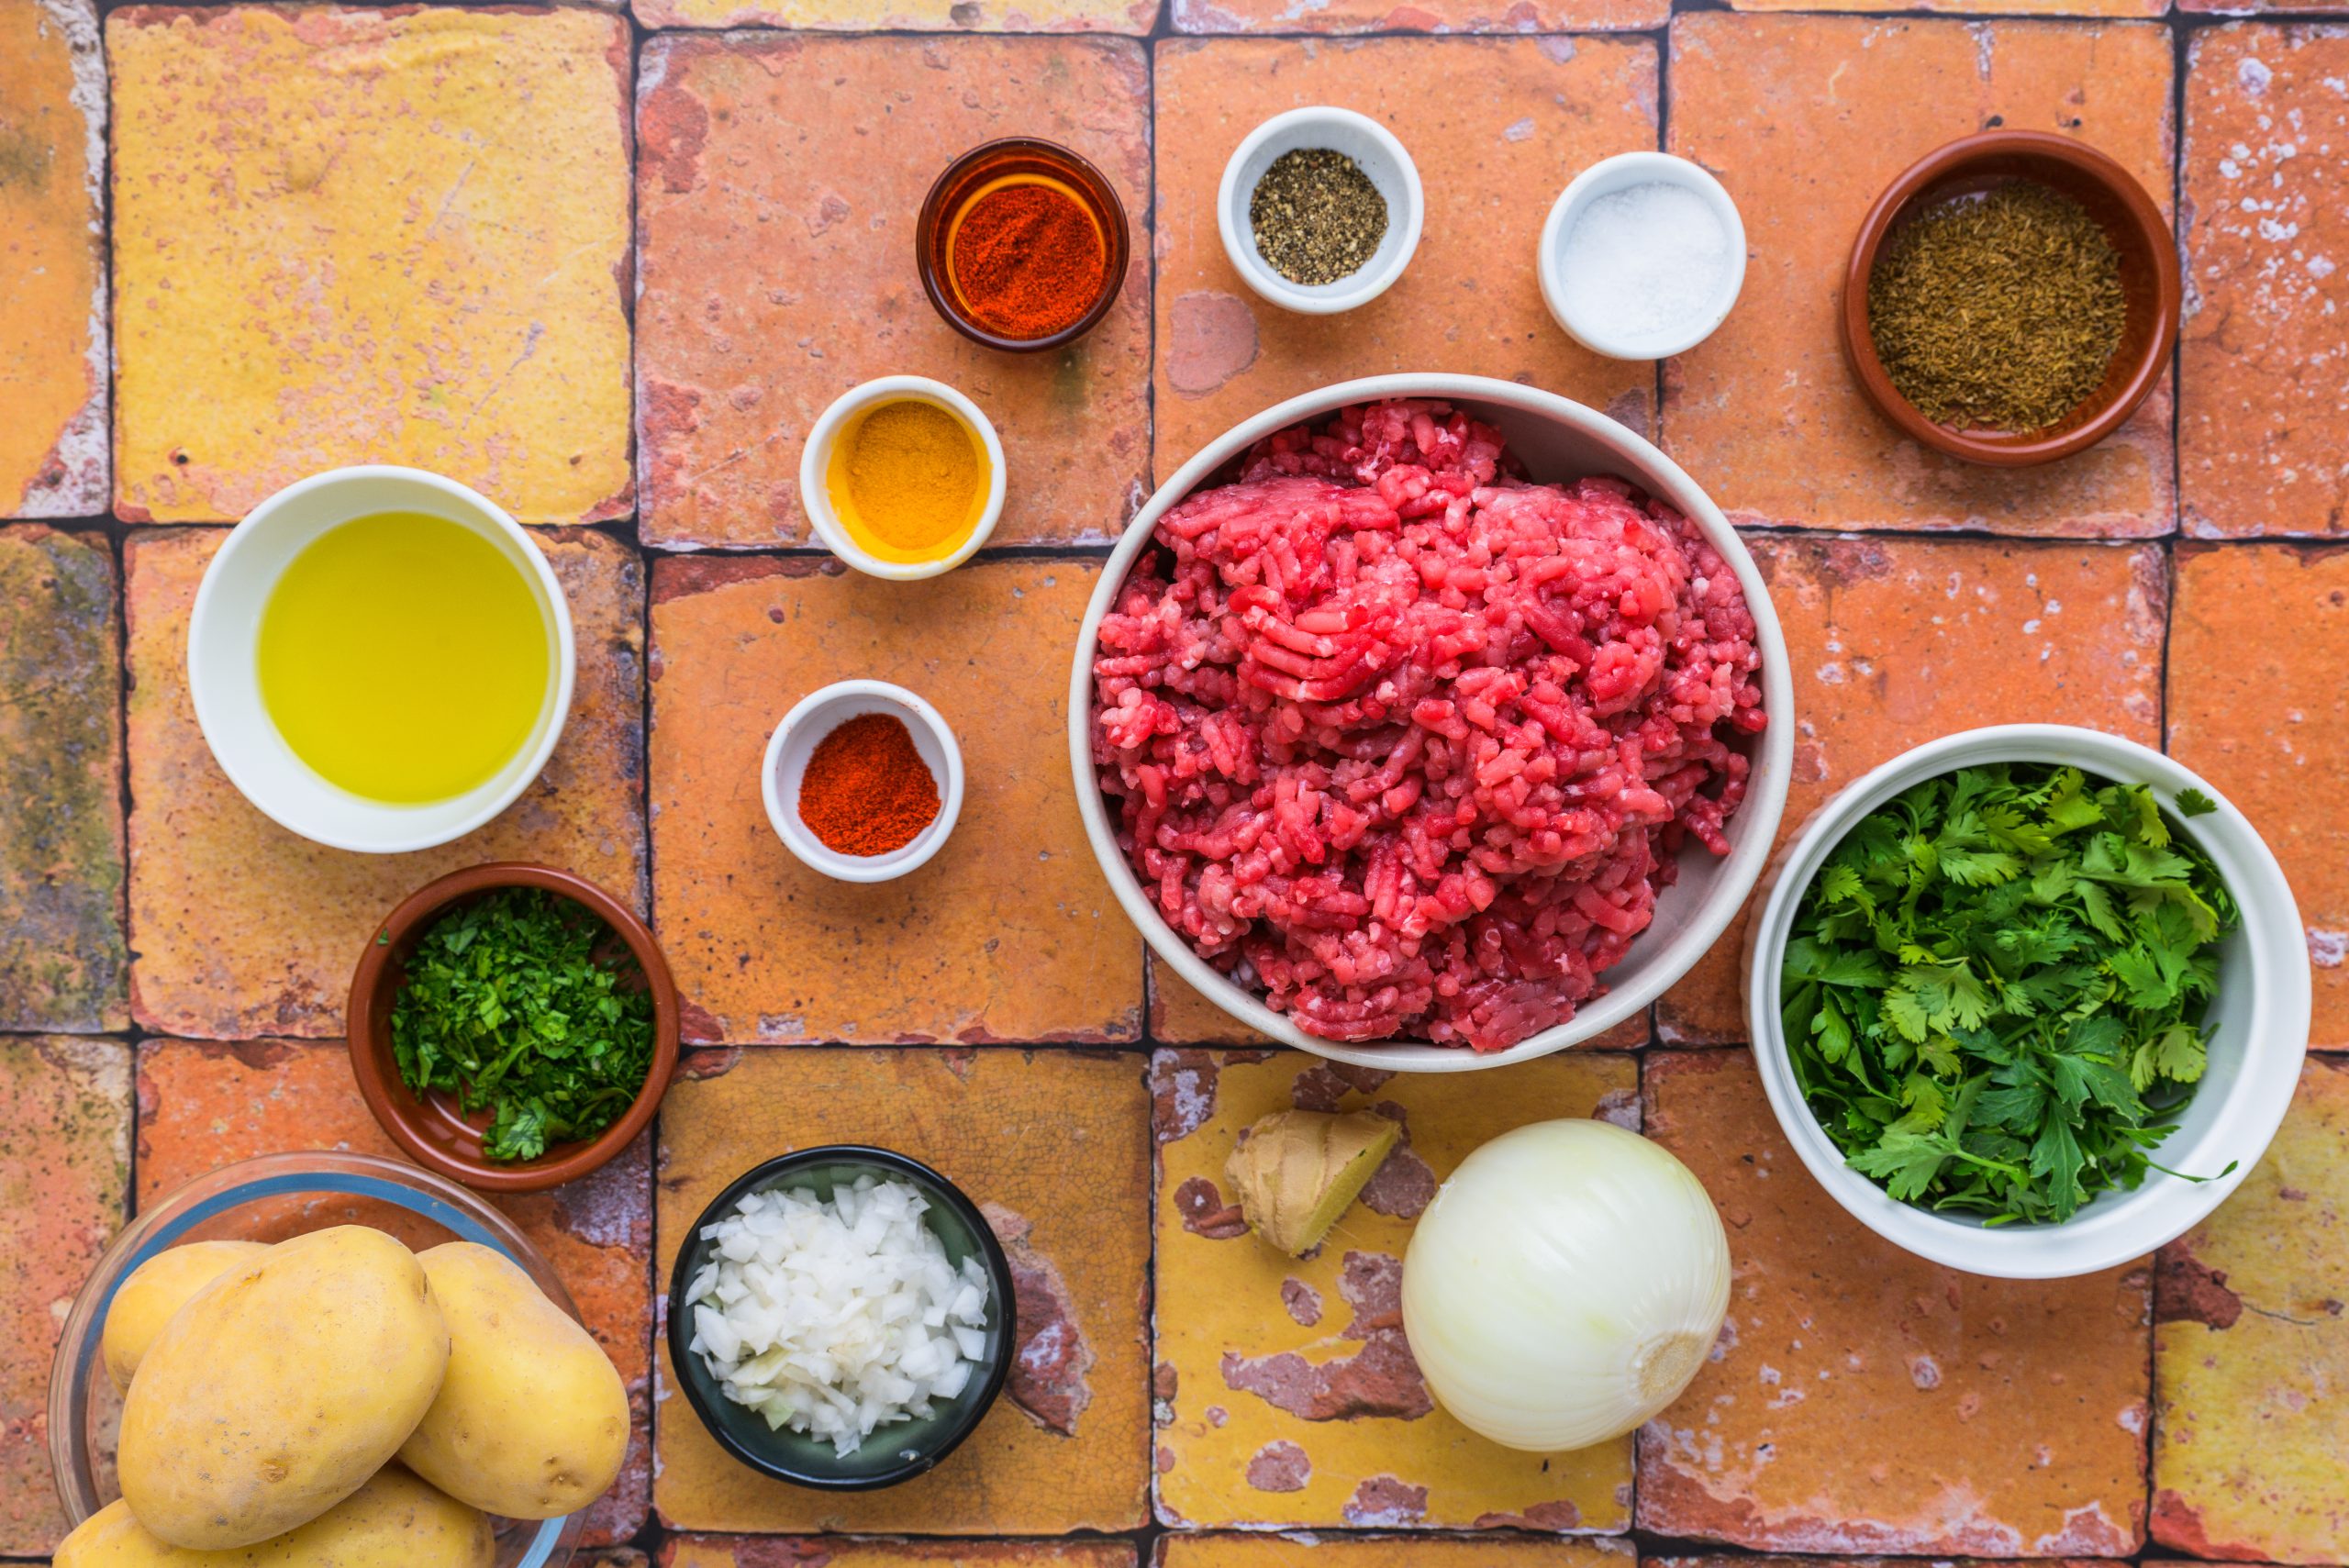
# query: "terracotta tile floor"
608,262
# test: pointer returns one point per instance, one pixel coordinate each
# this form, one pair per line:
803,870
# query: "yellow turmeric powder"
907,481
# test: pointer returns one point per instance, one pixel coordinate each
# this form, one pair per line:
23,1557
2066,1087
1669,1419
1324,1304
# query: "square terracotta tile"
1895,641
52,253
1286,1397
1862,1400
2266,181
906,15
1390,1551
2251,1352
1973,7
1747,1560
776,196
204,1105
65,1167
380,234
62,963
1806,120
2258,641
858,1552
1009,934
1065,1447
1496,128
242,928
1414,16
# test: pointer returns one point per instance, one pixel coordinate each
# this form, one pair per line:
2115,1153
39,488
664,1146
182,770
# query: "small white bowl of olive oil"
381,659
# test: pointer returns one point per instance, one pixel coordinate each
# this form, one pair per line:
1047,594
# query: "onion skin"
1564,1285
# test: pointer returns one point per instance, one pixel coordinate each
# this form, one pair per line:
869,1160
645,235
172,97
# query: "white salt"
1644,262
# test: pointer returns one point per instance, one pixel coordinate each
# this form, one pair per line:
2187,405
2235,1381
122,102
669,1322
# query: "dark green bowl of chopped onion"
898,1451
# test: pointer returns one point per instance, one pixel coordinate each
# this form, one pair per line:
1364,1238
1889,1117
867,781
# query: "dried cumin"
1997,311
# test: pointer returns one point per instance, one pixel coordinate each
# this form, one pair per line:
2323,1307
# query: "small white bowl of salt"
1642,256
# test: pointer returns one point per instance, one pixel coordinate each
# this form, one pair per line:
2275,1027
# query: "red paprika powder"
1027,261
866,790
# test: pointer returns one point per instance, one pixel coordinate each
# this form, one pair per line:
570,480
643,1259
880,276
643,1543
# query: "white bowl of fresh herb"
2028,1001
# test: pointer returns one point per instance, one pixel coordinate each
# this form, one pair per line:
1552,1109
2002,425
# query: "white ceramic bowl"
2260,1013
1556,439
1570,307
816,715
1375,152
816,458
223,639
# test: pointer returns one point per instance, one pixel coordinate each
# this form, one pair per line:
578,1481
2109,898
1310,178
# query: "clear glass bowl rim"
161,1224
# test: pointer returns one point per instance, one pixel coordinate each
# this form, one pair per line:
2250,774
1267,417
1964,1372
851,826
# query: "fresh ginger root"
1296,1172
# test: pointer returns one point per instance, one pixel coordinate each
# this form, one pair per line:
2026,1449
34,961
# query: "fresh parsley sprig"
1994,993
507,1007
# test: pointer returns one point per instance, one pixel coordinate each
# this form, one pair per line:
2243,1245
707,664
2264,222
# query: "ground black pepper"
1997,311
1317,215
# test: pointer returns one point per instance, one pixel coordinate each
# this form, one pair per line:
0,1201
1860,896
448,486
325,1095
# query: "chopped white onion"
839,1316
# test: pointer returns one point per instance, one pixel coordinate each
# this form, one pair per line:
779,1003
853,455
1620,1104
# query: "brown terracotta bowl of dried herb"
513,1025
2011,299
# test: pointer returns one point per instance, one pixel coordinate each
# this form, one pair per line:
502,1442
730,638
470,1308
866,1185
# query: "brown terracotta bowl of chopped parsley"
2012,298
513,1027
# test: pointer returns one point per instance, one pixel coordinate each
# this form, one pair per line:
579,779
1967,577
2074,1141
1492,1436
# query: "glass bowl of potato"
371,1265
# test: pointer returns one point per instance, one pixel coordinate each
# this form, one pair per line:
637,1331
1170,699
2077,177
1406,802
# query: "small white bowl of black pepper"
1319,210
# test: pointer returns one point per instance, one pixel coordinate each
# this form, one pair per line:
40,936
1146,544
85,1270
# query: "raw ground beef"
1407,744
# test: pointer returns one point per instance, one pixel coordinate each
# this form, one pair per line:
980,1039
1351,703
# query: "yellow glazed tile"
240,927
1390,1551
371,235
1285,1394
52,261
1053,1147
2251,1353
853,1551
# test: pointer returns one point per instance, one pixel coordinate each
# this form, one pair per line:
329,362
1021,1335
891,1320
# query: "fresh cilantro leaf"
1906,1163
1995,988
2192,802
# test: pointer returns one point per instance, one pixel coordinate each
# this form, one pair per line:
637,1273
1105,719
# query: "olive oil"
404,657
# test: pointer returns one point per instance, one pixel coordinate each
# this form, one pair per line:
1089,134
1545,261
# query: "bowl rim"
815,458
1099,185
1751,830
1230,204
367,1028
1581,191
1950,161
812,852
767,1173
2118,1227
391,842
158,1225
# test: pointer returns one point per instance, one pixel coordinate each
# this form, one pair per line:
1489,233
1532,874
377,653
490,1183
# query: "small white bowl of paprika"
862,781
902,478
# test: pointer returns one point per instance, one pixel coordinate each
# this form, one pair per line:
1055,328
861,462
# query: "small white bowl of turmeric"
902,478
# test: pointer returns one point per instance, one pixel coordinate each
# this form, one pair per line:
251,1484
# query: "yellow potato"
392,1522
156,1289
280,1388
532,1421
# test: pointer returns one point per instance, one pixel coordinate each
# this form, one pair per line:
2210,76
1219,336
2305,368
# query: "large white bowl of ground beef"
1430,722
